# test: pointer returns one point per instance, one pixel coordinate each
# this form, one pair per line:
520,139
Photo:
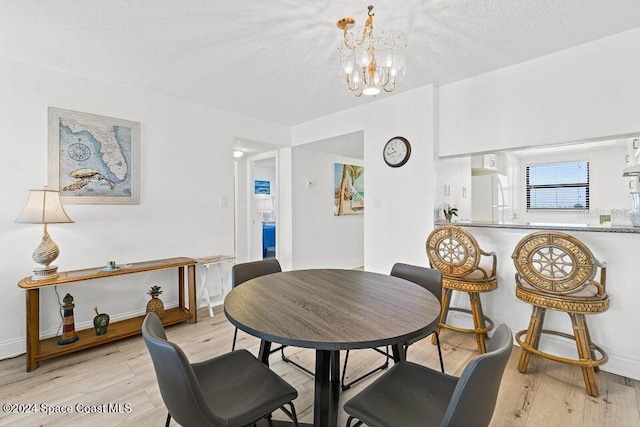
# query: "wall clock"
396,152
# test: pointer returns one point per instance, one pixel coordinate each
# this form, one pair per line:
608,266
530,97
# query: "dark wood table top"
332,309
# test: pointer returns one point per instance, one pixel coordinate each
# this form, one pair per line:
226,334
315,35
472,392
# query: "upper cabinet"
486,163
633,151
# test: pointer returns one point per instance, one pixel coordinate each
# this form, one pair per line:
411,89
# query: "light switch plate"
377,202
224,201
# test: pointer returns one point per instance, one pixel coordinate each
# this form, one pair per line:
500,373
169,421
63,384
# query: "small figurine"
69,328
100,322
155,304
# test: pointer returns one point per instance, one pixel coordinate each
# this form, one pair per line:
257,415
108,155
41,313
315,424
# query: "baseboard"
13,348
617,364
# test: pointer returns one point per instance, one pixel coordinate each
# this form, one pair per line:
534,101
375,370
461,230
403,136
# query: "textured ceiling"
277,59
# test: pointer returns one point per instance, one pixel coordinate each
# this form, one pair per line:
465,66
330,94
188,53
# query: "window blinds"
558,185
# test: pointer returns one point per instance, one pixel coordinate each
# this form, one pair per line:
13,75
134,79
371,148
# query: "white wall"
396,230
608,189
320,239
186,166
456,173
242,209
590,91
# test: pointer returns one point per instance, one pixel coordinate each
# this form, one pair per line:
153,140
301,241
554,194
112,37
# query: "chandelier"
368,62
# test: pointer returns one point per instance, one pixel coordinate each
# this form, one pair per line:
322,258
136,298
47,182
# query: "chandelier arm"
393,86
353,89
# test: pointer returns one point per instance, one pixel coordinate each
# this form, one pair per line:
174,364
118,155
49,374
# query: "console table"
38,350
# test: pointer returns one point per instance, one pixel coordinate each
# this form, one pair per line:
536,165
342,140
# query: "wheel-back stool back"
557,271
456,253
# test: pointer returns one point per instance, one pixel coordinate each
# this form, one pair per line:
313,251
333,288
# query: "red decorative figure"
68,328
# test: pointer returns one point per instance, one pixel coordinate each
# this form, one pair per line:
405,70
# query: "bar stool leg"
591,346
533,336
478,321
446,301
584,352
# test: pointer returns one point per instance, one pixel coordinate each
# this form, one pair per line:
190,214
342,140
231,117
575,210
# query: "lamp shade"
44,207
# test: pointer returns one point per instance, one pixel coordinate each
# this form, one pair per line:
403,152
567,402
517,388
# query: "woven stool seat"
557,271
456,253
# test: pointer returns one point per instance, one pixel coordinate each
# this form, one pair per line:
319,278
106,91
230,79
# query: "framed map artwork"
93,159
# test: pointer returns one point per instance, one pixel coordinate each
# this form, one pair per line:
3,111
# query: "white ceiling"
277,59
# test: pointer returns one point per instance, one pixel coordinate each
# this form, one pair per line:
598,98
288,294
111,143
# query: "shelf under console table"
38,350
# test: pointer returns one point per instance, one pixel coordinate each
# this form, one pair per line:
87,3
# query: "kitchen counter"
547,226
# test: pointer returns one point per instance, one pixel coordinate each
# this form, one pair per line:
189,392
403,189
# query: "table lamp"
44,207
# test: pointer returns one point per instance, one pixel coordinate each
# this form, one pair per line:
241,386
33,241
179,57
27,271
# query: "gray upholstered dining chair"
412,395
431,280
234,389
246,271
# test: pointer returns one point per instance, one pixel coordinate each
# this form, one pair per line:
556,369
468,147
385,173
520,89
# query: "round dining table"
331,310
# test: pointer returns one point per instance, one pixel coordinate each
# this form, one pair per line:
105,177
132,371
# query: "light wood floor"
552,394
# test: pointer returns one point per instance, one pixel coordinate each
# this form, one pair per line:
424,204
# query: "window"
558,185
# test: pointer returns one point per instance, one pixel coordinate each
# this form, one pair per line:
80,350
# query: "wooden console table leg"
33,328
181,287
193,306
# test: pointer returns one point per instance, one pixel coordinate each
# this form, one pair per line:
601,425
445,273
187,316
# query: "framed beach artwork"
348,189
262,187
93,159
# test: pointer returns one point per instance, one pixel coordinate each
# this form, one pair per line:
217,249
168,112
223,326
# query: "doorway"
256,200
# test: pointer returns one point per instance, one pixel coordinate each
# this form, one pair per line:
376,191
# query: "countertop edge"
559,227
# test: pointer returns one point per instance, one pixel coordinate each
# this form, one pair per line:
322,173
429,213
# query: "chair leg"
290,413
533,336
446,302
235,336
168,420
435,334
358,423
584,352
345,386
286,359
478,321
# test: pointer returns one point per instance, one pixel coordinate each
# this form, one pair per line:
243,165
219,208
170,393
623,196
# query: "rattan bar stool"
456,253
557,271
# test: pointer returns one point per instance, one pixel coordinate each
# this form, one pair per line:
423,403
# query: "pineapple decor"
155,304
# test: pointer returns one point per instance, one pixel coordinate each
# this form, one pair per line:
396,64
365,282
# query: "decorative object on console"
44,207
368,62
93,159
68,328
100,322
155,304
450,212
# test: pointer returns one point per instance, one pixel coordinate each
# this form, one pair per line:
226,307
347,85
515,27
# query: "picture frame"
93,159
262,187
348,189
